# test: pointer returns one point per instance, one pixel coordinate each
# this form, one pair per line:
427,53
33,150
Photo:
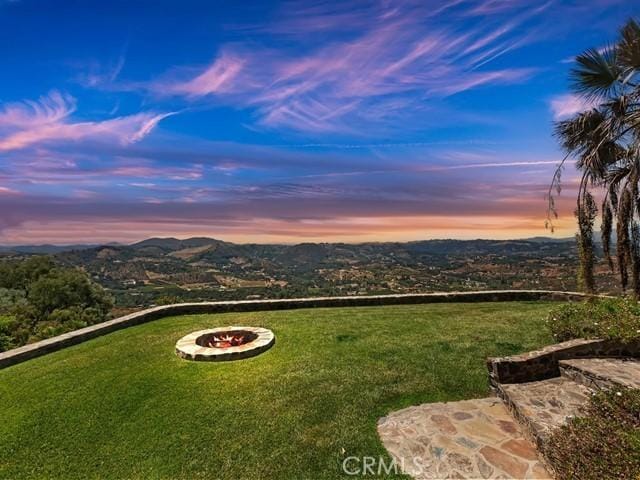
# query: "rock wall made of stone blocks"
543,364
43,347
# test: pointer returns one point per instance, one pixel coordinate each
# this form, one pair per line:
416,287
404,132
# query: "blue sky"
287,121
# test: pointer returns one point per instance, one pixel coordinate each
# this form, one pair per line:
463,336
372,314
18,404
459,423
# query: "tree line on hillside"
39,299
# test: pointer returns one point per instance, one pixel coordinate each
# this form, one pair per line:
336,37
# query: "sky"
294,121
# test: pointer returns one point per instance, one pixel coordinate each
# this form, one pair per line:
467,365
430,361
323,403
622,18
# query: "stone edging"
49,345
542,364
188,348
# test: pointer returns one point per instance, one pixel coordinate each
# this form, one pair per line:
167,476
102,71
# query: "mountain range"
160,270
177,244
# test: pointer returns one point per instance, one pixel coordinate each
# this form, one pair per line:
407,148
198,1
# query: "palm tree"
605,141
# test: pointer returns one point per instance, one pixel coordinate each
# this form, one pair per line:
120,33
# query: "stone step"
542,406
602,373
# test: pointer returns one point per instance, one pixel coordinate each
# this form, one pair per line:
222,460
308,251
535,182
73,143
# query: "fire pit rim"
188,348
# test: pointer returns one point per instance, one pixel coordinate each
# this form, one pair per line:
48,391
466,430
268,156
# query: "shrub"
617,319
167,300
603,443
62,289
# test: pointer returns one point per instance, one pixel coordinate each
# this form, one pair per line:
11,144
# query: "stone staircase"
540,407
505,437
544,405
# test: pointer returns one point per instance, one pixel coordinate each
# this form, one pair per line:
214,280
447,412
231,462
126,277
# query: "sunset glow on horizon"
282,122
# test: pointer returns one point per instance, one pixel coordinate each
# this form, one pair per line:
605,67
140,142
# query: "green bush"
603,442
167,300
617,319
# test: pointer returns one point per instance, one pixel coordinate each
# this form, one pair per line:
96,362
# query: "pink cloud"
51,108
477,79
43,168
8,191
488,7
216,78
142,171
33,122
148,121
564,106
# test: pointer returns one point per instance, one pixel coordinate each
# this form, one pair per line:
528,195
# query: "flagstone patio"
467,439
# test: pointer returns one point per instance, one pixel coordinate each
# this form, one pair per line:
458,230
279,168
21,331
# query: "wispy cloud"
488,7
215,79
99,74
565,106
47,119
42,168
401,58
8,191
469,166
48,109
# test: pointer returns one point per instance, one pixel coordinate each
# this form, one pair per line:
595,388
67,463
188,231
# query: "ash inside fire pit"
226,339
225,343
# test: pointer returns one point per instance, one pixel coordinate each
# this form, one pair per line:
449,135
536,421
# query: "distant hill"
207,260
171,244
554,239
43,249
197,269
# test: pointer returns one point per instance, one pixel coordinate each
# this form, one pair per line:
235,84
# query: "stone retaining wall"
543,364
72,338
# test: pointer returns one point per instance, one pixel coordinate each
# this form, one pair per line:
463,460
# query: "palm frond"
596,74
628,48
614,178
578,133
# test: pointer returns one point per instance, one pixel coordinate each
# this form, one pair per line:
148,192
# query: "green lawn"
125,406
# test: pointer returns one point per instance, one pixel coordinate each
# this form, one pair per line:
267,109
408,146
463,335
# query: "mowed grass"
125,406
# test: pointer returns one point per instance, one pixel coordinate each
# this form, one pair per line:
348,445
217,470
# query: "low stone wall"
72,338
543,364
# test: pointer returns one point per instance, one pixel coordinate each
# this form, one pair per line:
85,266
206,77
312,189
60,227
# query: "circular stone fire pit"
225,343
